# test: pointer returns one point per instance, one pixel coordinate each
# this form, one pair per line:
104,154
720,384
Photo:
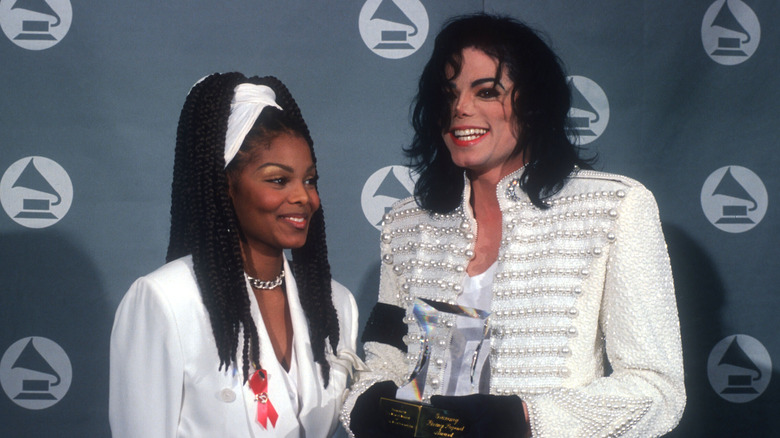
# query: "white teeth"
469,134
295,219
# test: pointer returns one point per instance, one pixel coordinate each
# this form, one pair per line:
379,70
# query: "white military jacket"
579,288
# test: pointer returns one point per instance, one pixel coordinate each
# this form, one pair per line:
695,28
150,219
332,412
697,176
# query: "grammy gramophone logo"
739,368
35,24
35,373
393,28
730,32
589,113
734,199
383,188
36,192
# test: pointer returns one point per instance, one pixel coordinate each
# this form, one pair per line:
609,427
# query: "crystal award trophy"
408,415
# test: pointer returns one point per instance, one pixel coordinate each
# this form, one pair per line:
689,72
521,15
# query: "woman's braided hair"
204,223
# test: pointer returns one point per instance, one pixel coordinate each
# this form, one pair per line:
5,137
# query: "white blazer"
165,380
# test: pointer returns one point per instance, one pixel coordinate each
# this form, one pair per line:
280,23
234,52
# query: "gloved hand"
366,420
487,416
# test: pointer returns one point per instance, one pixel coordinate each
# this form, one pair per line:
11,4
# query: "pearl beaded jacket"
584,324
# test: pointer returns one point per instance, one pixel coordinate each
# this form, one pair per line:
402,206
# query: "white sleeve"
645,395
146,376
347,310
346,357
383,361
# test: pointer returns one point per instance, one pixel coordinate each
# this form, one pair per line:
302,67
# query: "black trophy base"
407,419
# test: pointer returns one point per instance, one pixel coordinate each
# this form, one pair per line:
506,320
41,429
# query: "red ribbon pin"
258,383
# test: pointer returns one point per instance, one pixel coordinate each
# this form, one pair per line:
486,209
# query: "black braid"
310,262
204,223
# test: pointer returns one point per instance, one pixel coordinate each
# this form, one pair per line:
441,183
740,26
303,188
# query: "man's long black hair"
541,100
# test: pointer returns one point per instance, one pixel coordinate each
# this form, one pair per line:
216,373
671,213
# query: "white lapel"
309,379
287,424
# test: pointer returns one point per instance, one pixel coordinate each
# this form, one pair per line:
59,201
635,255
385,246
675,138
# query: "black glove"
487,416
366,420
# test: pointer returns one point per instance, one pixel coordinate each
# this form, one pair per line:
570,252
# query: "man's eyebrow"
495,81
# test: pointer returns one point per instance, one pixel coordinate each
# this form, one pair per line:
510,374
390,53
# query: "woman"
571,263
228,339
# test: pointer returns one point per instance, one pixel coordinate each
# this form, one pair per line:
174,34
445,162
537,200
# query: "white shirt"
462,376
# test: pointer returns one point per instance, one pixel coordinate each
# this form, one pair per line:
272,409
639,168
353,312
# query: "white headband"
248,102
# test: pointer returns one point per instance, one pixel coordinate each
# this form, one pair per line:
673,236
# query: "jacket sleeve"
644,396
385,350
146,369
347,311
346,359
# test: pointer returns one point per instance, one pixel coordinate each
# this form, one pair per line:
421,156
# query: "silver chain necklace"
266,285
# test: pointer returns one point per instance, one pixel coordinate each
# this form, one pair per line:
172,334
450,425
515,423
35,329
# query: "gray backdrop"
679,95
